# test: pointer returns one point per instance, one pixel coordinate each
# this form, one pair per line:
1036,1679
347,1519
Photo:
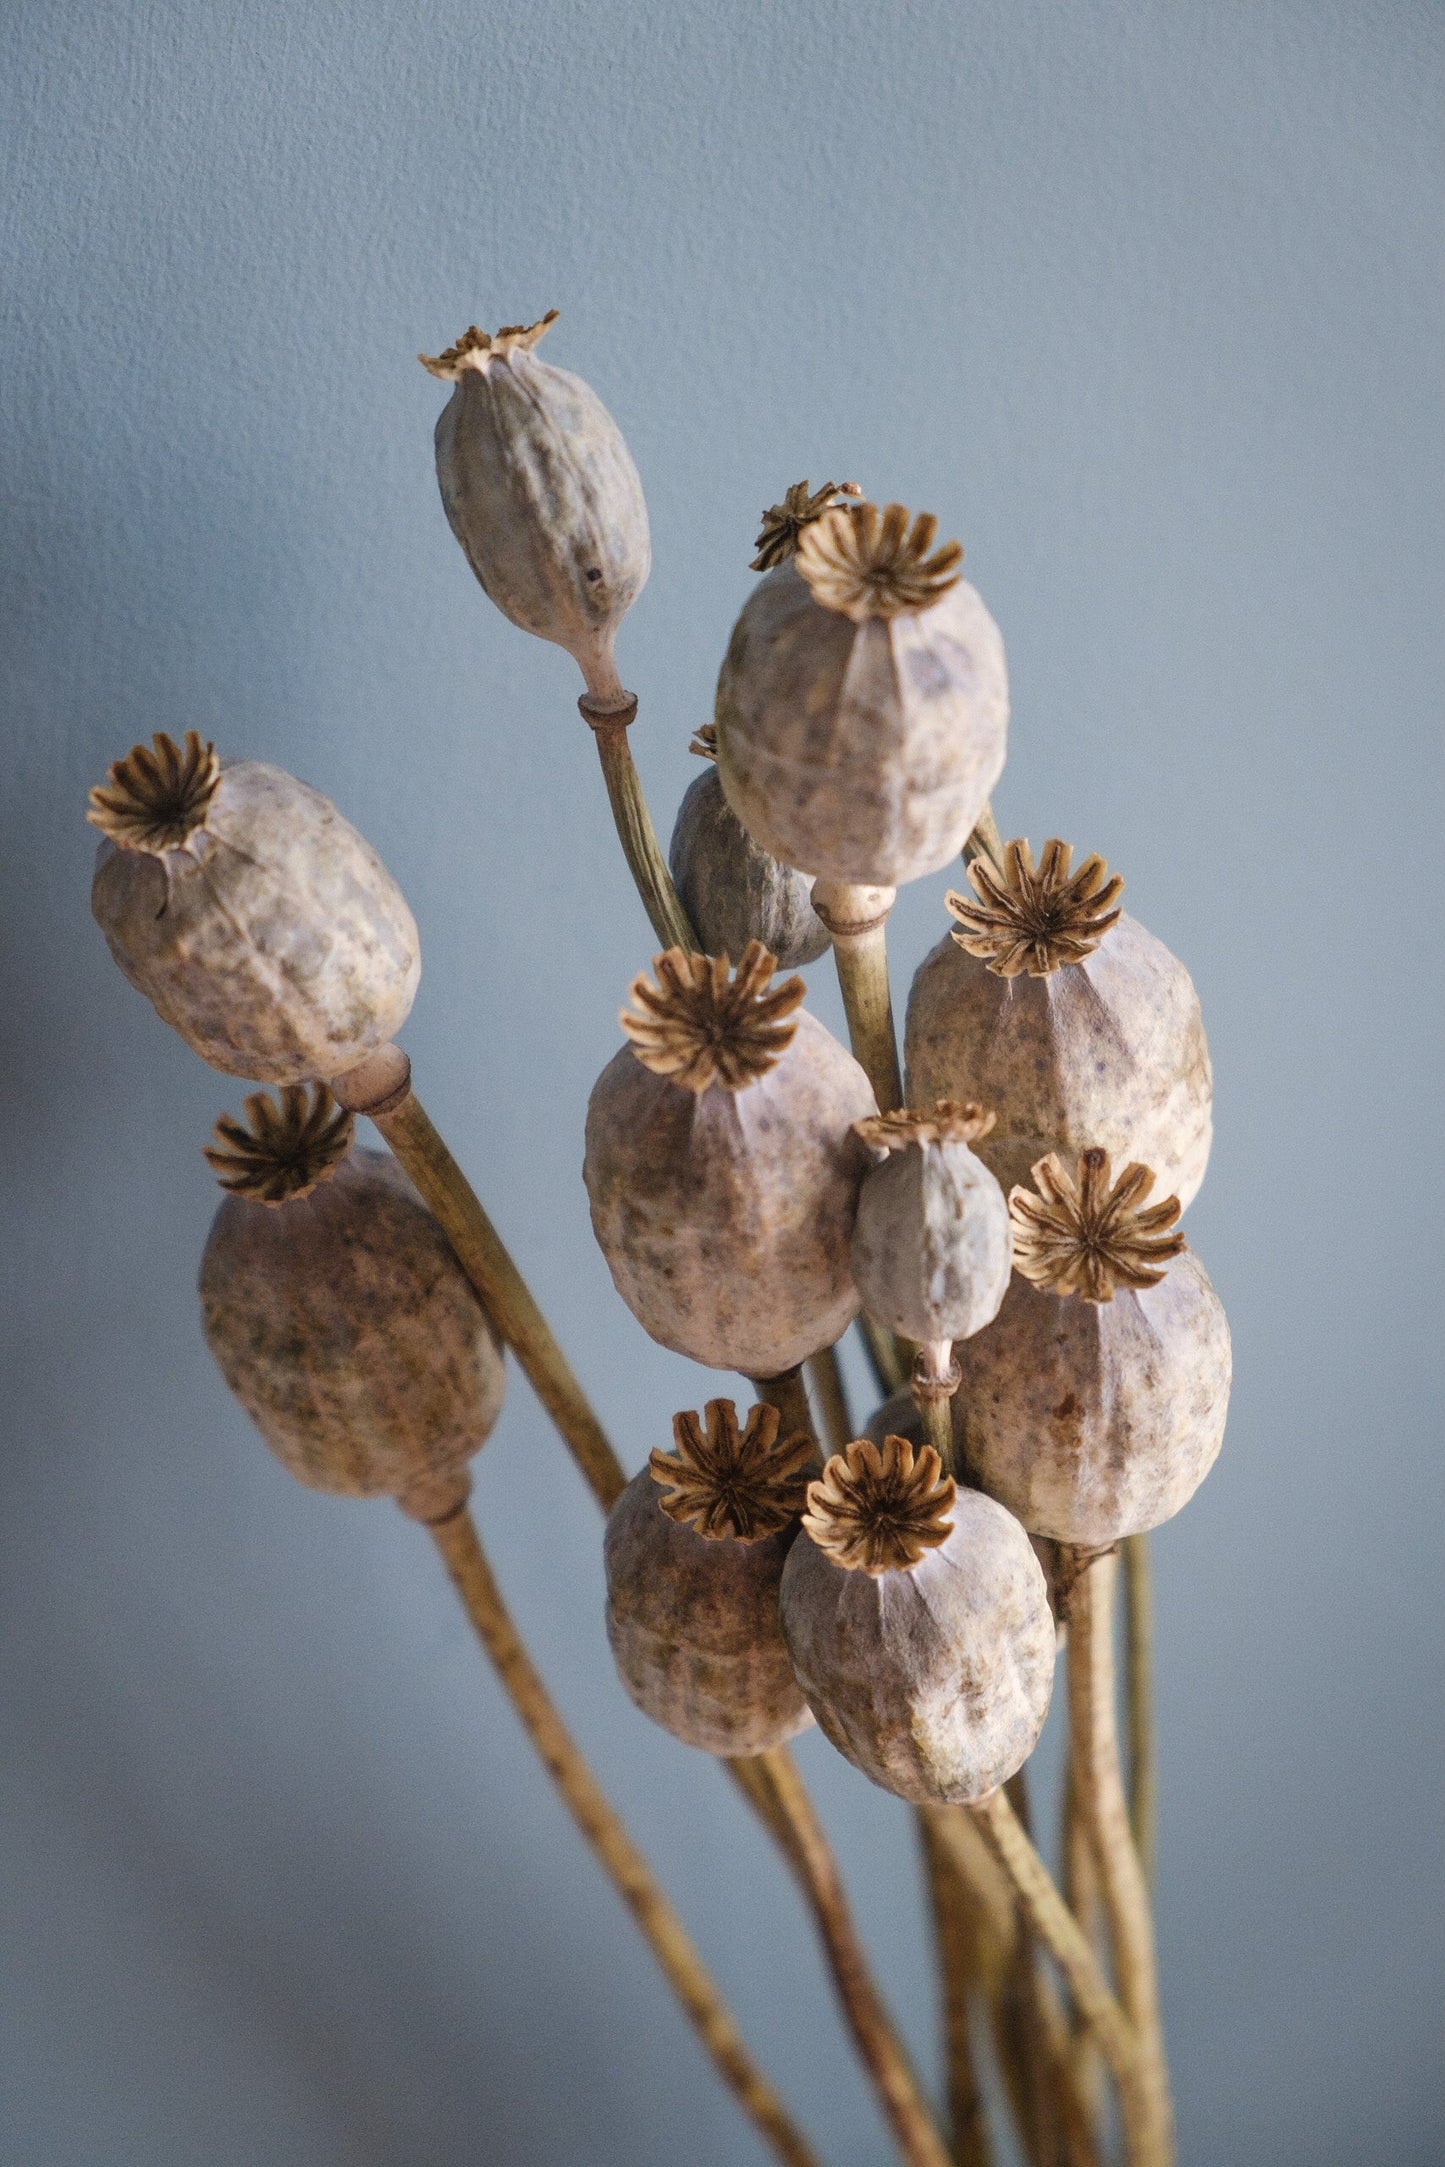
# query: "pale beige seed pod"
542,494
722,1168
862,706
918,1624
255,919
694,1555
731,888
1094,1404
932,1244
339,1316
1059,1011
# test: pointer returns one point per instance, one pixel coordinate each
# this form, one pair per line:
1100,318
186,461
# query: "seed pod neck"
478,351
701,1023
864,564
783,523
725,1481
158,797
1034,918
946,1122
880,1509
285,1147
1081,1235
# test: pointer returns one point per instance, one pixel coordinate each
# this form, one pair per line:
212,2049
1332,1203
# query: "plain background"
1143,300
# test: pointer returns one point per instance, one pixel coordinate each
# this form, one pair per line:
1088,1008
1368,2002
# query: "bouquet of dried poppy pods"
997,1216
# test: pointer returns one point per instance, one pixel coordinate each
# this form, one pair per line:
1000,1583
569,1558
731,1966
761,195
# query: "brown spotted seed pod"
1094,1404
863,703
932,1245
732,890
1059,1011
918,1624
255,919
722,1168
542,494
337,1312
694,1554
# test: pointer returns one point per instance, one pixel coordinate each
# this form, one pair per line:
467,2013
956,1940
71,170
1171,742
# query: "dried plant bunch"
722,1168
694,1554
340,1318
542,494
733,890
255,919
932,1244
1054,1007
1095,1401
862,706
917,1619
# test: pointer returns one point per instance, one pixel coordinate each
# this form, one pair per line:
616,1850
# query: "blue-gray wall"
1143,299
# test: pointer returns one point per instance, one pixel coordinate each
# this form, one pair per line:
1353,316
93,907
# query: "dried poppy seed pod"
722,1169
341,1320
932,1244
542,494
694,1553
863,703
1095,1401
1058,1010
732,890
917,1620
255,919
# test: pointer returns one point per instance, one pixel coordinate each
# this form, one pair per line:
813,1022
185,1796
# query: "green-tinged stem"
461,1552
935,1380
635,831
884,1357
1094,1753
985,841
829,1391
1139,1698
956,1931
857,920
1060,1933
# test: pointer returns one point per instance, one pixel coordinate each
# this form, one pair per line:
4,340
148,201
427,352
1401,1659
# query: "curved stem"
461,1552
900,2096
1139,1698
633,822
1094,1752
857,919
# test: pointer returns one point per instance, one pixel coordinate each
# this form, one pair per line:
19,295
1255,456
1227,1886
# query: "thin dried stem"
857,920
1081,1893
885,1357
901,2097
957,1932
1139,1699
825,1374
985,842
462,1554
633,821
1095,1756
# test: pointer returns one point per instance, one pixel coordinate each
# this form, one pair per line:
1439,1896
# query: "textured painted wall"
1144,301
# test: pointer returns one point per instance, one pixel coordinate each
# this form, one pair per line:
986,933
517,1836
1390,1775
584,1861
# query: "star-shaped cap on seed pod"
701,1024
724,1481
704,741
1081,1236
783,523
479,349
285,1147
158,796
865,563
1035,918
879,1510
946,1122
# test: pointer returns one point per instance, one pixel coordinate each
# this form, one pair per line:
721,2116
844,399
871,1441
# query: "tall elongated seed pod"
918,1624
1053,1007
732,889
542,494
932,1246
862,706
722,1168
341,1320
694,1553
257,921
1094,1404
